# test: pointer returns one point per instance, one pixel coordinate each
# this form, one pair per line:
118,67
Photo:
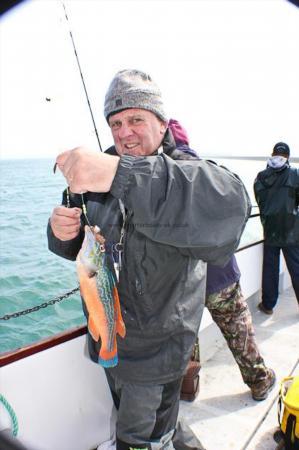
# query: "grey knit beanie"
133,89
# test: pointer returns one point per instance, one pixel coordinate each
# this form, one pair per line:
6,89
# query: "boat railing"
252,236
253,233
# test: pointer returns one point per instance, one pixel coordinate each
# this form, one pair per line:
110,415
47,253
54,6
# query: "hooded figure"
277,194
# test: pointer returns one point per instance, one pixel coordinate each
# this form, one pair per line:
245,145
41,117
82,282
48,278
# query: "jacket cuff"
121,181
66,249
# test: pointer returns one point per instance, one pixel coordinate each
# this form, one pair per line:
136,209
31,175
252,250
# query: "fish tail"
106,357
108,362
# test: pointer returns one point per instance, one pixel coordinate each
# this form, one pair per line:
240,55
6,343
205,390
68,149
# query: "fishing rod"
81,74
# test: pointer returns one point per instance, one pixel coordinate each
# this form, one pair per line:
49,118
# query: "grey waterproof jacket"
179,213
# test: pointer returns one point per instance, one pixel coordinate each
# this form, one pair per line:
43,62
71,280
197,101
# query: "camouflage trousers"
230,311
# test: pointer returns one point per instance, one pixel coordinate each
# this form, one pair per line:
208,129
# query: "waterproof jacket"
277,195
218,278
179,213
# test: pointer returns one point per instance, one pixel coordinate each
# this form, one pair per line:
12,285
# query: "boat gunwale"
41,345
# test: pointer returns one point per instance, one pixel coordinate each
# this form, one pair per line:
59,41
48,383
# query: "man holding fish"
161,215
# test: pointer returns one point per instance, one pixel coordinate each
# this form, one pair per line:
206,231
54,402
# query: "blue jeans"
270,278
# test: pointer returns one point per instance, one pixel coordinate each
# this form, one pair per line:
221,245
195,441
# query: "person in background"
229,309
163,207
277,194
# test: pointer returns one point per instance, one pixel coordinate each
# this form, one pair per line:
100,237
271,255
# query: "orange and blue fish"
99,292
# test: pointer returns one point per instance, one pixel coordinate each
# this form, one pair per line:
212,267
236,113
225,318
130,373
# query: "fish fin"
93,328
121,328
120,325
97,321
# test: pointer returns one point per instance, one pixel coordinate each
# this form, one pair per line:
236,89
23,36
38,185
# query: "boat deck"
224,416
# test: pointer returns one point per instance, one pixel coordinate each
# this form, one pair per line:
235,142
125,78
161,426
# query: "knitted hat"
281,149
178,131
133,89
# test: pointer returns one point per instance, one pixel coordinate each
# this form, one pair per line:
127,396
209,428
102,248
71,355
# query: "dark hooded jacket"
179,213
277,195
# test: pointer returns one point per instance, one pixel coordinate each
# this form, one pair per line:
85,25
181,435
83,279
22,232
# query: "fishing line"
82,78
84,209
120,243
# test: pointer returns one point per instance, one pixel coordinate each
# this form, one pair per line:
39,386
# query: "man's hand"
86,170
65,222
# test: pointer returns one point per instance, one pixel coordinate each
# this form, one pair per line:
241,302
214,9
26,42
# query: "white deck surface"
224,416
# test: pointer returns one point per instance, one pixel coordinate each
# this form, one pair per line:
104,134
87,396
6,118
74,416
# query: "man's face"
136,132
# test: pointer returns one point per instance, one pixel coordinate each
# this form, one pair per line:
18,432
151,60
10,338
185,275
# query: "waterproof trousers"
230,311
147,416
270,281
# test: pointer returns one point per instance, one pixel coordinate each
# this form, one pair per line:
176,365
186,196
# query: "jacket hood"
269,176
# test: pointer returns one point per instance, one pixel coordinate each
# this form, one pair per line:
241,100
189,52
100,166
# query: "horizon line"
253,158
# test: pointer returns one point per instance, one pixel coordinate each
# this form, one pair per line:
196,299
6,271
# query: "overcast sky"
228,70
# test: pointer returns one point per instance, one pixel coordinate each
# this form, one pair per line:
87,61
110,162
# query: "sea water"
29,273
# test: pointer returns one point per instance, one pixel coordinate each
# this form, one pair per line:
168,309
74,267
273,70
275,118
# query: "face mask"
276,161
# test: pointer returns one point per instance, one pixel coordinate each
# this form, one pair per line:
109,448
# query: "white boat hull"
61,399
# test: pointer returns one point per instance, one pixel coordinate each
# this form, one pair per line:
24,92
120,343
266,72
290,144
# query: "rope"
15,425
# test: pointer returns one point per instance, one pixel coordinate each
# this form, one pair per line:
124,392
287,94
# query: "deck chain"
37,307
